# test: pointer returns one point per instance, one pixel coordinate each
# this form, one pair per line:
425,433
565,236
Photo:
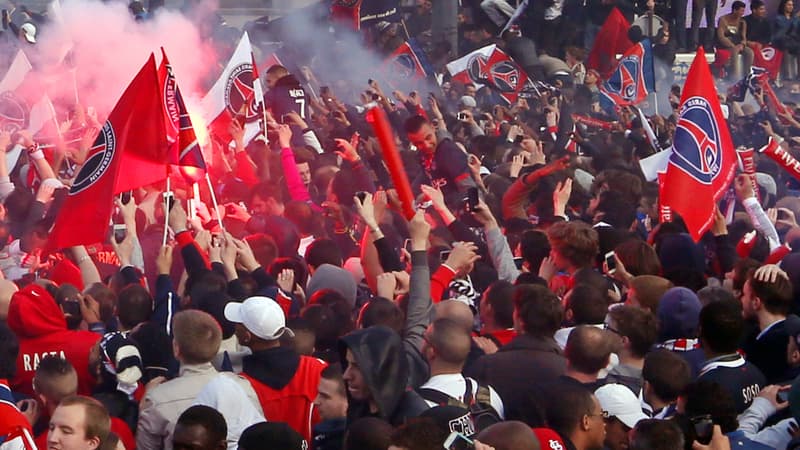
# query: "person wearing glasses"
635,332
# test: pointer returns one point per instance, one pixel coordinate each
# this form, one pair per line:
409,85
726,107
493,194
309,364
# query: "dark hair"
334,373
328,327
9,349
265,191
566,409
638,325
294,263
708,397
656,434
534,248
301,215
588,304
381,311
264,248
711,294
419,434
414,123
368,433
499,297
617,210
539,309
782,6
776,296
51,370
721,326
134,305
667,373
323,251
754,4
207,417
736,5
587,349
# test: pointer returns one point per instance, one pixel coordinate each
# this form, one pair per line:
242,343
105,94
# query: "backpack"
479,406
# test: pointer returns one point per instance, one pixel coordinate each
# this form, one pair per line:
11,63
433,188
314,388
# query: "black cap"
271,435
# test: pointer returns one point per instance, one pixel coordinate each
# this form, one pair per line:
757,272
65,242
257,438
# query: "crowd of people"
536,298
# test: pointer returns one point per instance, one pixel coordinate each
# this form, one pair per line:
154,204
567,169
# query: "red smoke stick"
782,157
748,166
383,131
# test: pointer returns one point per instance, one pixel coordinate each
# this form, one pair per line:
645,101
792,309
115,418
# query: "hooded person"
41,327
376,374
328,276
678,316
285,382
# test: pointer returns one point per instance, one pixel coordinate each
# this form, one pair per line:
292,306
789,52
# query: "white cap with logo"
618,401
262,316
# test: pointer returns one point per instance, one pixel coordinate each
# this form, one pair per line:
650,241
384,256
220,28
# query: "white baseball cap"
29,31
262,316
618,401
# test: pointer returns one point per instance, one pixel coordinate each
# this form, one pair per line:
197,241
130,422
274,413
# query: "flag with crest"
632,80
703,159
492,67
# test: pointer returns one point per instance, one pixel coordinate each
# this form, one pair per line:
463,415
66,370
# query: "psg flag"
632,80
703,159
233,96
407,65
184,149
129,152
490,66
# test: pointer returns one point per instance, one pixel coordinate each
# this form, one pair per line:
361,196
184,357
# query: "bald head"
7,289
450,341
510,435
587,349
456,311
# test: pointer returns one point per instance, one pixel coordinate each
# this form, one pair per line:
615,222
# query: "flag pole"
214,201
166,208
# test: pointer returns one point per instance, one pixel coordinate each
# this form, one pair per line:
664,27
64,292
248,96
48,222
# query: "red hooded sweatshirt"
40,325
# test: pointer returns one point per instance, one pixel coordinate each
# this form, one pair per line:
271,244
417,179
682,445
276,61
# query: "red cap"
549,439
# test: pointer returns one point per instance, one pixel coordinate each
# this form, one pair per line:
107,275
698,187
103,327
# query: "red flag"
703,159
611,40
769,58
491,67
184,150
129,152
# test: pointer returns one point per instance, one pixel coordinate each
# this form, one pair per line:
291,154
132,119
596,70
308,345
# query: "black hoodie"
287,96
380,355
274,367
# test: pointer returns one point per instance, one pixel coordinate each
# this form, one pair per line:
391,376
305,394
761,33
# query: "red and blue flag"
632,80
703,159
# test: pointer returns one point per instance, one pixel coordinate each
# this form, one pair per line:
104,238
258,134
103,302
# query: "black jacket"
382,360
519,370
769,352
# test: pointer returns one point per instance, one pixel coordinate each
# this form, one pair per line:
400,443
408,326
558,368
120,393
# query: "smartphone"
703,428
369,82
216,240
362,196
71,307
324,90
443,255
169,199
472,198
119,231
518,262
230,210
783,396
457,441
407,245
283,118
462,116
611,262
125,197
